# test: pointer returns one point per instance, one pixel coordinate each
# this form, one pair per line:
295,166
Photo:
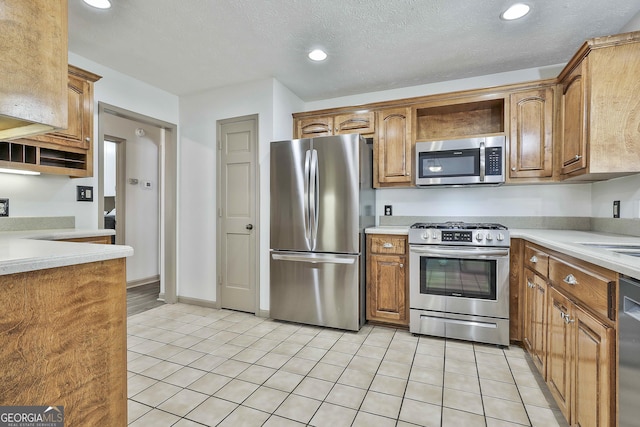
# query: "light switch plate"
4,207
84,193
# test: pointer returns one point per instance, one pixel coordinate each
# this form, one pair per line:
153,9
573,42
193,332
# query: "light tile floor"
194,366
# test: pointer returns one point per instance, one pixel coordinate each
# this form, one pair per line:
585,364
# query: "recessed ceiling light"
317,55
100,4
516,11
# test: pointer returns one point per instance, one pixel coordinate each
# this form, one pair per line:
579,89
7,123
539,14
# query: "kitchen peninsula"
63,324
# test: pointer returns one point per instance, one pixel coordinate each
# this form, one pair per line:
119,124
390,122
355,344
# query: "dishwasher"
629,352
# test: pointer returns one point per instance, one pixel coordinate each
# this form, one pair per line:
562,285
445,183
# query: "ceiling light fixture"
100,4
516,11
317,55
18,172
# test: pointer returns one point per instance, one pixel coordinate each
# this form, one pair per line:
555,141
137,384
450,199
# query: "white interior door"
237,213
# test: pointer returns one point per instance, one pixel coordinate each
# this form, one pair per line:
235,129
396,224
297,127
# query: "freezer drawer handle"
314,260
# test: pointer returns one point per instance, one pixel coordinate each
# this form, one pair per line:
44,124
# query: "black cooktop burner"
458,225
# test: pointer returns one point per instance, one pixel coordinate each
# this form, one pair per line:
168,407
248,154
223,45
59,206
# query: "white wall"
517,200
51,195
109,169
142,225
197,229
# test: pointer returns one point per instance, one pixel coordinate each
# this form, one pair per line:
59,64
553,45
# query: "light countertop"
568,242
22,251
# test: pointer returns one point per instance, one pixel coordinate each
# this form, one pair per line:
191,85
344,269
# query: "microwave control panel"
493,165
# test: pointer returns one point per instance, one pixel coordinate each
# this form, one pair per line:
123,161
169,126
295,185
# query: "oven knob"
479,237
425,236
500,237
435,236
489,237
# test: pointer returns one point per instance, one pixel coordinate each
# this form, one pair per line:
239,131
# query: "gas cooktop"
459,233
459,225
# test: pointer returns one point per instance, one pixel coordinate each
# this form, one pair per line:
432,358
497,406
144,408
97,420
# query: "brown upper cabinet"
393,148
531,134
599,110
582,126
65,152
33,86
334,124
79,132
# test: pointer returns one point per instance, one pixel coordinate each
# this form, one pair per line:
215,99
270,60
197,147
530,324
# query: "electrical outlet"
4,207
388,210
84,193
616,208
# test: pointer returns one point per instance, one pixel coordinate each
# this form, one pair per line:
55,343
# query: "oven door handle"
461,253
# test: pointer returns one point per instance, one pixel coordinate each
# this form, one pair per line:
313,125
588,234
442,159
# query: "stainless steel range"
459,281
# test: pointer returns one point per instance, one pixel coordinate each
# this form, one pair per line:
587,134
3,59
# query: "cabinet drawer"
384,244
592,285
536,260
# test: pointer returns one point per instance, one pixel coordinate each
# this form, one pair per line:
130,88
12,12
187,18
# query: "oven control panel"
457,236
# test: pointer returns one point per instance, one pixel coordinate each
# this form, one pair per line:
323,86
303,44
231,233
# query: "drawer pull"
387,245
570,280
529,284
401,265
534,259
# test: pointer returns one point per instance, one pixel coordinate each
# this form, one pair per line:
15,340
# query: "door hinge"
219,280
219,212
219,145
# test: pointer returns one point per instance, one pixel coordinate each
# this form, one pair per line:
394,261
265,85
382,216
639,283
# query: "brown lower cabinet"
387,279
581,358
568,329
64,341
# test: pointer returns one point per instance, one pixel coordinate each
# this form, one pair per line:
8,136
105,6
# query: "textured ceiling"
186,46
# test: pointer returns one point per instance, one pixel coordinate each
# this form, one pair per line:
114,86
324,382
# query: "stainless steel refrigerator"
322,198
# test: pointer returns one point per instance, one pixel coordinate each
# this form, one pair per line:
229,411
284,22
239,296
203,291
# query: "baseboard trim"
198,302
142,282
263,313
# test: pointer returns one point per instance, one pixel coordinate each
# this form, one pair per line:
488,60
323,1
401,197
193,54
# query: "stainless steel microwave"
458,162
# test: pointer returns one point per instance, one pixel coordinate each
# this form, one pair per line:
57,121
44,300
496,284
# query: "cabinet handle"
401,265
513,168
529,284
578,157
533,259
87,139
387,245
568,319
570,280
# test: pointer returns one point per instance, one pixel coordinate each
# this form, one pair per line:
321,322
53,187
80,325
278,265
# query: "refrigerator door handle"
306,215
314,200
315,259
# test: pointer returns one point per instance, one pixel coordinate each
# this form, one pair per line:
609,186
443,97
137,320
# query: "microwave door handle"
482,160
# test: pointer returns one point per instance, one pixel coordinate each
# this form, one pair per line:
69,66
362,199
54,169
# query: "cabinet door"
393,149
386,289
531,142
595,357
314,126
574,113
559,349
535,319
529,301
540,325
363,123
78,133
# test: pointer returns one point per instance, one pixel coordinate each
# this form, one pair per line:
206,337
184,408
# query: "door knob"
249,227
